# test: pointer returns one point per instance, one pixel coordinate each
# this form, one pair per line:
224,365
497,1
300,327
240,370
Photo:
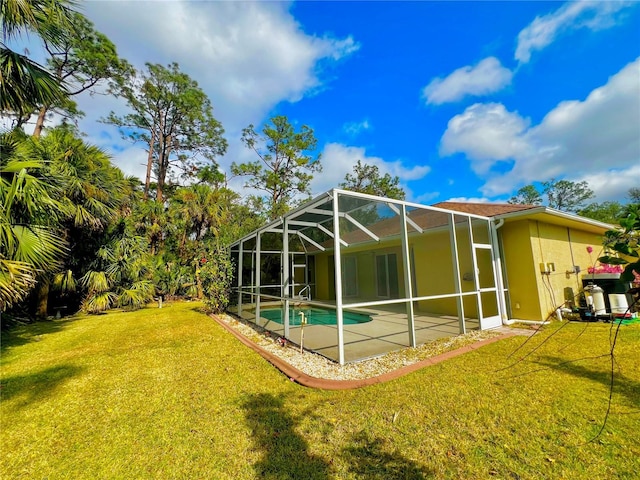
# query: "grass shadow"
34,387
370,458
19,335
622,384
284,451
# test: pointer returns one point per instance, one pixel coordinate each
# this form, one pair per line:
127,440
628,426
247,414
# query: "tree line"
572,197
77,234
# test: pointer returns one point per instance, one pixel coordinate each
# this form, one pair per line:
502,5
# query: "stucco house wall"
529,243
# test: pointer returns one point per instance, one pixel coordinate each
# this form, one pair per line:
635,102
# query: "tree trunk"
40,122
163,166
147,181
160,184
42,299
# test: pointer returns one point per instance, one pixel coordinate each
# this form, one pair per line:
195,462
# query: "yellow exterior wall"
520,271
365,255
434,272
527,244
323,282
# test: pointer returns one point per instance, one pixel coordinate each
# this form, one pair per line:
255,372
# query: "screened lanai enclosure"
364,275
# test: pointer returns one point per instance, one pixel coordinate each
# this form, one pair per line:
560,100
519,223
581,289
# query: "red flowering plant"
603,267
624,243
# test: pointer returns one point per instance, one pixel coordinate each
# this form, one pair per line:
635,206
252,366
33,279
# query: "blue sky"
462,100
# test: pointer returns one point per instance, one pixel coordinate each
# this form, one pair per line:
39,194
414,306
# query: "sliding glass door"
387,276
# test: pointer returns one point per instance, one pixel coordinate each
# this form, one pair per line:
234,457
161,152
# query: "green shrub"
215,275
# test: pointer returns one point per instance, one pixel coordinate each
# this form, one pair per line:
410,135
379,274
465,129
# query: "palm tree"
24,84
91,191
119,275
30,241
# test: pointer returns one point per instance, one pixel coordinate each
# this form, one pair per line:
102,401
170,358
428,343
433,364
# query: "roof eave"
556,213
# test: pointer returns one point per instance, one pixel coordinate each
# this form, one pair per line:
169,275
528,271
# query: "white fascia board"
555,213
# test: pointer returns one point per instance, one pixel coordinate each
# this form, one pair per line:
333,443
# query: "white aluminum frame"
311,216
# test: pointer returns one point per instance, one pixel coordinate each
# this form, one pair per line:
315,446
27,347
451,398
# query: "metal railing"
307,290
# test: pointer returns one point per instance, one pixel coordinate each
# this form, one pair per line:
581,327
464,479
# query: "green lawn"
166,393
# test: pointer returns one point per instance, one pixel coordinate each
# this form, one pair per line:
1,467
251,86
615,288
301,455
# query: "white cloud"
338,160
132,161
356,128
591,136
247,57
612,184
486,77
571,16
469,200
485,133
425,198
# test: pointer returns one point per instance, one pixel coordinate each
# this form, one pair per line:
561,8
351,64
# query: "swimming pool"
315,316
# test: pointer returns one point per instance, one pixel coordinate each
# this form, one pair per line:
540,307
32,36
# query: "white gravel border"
321,367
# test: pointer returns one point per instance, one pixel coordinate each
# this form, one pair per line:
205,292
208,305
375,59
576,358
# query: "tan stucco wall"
433,270
527,244
323,280
365,257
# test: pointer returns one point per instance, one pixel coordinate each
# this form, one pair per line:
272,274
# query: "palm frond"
35,244
96,281
64,282
137,295
98,302
24,84
16,280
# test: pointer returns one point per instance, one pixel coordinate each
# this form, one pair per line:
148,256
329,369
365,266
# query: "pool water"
315,316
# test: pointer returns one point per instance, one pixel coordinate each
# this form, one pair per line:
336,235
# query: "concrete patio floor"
386,332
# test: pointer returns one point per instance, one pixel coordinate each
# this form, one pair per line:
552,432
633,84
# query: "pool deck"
387,332
327,384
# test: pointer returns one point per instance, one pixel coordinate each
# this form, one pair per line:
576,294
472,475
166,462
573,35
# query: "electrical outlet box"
551,267
543,268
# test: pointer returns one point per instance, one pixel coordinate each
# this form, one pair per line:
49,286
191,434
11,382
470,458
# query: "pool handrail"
301,295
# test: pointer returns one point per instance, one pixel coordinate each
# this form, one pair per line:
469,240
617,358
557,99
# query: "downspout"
503,303
499,279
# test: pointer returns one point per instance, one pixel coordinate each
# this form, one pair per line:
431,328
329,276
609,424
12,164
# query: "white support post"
497,271
338,273
408,290
476,274
240,255
257,277
285,280
456,272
